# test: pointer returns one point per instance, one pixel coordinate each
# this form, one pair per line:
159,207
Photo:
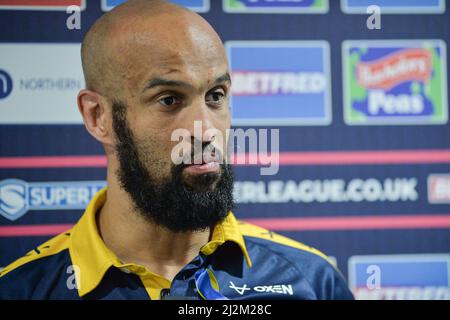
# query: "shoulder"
312,264
287,247
37,273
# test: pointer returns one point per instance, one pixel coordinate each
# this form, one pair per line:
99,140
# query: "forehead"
181,49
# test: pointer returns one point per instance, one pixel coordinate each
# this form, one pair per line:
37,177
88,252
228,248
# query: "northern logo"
395,82
50,84
17,197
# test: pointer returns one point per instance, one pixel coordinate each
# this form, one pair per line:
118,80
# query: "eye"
169,101
215,97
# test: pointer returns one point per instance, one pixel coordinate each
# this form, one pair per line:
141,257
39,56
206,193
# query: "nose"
199,122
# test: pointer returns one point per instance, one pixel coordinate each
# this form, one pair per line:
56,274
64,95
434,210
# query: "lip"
203,168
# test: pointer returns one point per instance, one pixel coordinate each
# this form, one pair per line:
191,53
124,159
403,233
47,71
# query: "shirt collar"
92,258
227,230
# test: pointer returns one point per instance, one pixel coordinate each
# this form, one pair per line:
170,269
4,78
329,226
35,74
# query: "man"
164,228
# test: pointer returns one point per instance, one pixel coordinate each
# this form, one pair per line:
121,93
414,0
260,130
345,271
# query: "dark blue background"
335,27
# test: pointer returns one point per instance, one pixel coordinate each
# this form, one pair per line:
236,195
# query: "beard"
169,203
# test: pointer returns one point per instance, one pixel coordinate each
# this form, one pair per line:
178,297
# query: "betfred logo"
17,197
249,83
395,82
280,82
275,6
400,277
194,5
439,188
59,5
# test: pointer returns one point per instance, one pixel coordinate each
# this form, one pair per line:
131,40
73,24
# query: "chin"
202,182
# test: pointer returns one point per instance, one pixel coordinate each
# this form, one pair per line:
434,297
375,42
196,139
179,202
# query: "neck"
134,239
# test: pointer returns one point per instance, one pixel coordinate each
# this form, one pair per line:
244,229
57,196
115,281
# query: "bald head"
154,71
142,32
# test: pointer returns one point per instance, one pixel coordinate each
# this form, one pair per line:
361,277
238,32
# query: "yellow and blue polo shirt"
247,262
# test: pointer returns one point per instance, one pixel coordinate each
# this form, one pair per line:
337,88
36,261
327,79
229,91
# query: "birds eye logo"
395,82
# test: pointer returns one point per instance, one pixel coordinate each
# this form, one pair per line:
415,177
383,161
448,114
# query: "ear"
96,117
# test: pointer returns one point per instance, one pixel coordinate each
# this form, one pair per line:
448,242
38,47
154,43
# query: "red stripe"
53,162
52,3
353,157
283,224
33,230
285,158
355,223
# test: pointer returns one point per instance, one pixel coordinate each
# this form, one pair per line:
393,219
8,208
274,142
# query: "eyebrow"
161,82
223,78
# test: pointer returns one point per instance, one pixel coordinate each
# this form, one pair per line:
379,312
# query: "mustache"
206,154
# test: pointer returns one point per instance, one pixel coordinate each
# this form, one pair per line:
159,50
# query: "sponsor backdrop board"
195,5
364,154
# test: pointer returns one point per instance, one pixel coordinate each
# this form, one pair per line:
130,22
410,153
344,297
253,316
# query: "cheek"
224,115
224,129
155,154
